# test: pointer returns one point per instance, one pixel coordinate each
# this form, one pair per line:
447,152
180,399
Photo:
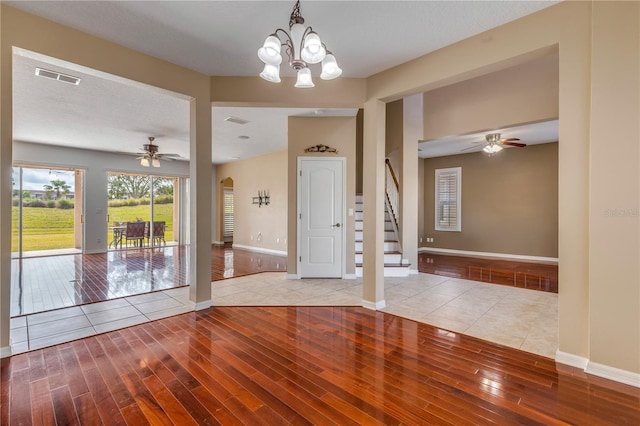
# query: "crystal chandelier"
303,47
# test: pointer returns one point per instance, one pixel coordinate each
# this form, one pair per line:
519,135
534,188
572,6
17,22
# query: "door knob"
337,225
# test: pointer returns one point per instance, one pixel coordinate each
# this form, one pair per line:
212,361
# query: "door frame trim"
343,161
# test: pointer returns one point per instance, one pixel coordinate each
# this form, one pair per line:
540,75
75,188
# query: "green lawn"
50,229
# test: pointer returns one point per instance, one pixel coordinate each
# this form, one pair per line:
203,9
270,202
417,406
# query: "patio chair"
135,232
158,233
118,229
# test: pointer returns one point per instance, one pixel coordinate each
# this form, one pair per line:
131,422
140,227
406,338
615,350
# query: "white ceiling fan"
494,144
151,156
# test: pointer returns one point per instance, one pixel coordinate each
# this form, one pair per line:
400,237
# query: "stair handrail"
392,198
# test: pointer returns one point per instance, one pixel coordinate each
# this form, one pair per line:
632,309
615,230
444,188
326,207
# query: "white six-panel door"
320,217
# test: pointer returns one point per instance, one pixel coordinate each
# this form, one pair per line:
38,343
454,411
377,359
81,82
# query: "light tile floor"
43,329
515,317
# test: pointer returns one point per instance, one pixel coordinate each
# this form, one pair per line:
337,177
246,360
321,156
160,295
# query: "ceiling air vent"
236,120
57,76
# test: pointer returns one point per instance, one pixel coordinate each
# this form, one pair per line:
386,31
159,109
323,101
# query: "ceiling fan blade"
470,147
510,140
519,145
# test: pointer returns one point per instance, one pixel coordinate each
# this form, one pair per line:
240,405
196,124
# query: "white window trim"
458,225
228,219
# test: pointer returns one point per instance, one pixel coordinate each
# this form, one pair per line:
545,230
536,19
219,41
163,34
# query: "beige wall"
524,93
509,202
614,229
336,132
262,227
393,127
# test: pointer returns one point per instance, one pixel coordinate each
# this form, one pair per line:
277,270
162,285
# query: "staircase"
394,265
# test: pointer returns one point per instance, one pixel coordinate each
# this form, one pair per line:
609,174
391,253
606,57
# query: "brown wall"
263,227
336,132
521,94
509,202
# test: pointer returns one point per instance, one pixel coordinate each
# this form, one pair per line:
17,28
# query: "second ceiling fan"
494,144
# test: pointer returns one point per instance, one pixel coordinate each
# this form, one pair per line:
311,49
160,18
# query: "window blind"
447,199
228,212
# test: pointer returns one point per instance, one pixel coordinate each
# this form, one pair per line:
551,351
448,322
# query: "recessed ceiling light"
236,120
66,78
243,137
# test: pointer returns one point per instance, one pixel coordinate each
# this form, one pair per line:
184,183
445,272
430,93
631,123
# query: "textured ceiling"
220,38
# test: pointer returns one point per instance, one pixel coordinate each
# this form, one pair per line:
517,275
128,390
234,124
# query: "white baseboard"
5,351
374,306
413,272
218,243
571,360
203,305
612,373
600,370
349,277
487,254
259,249
293,277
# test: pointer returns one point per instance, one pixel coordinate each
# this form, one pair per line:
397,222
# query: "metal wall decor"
321,148
262,198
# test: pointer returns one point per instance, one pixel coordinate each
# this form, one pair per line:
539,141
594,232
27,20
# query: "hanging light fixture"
303,47
492,148
493,144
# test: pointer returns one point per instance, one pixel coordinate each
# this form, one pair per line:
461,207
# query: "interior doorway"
47,211
321,217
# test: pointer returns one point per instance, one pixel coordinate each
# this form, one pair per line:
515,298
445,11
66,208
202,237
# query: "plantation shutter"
448,199
228,212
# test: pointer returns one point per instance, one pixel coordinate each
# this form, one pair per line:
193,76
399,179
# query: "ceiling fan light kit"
151,156
495,144
303,47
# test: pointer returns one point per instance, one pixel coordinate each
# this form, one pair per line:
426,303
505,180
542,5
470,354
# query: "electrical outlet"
99,240
420,239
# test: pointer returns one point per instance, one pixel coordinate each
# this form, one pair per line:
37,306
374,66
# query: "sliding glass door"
46,216
152,200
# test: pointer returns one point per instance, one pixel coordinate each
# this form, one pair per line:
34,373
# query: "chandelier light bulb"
330,68
304,78
271,73
269,53
313,51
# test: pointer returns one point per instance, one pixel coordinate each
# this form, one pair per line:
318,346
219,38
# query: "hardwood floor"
40,284
531,275
300,365
229,263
